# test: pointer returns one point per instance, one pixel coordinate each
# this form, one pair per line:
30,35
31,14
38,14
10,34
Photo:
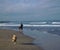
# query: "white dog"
14,39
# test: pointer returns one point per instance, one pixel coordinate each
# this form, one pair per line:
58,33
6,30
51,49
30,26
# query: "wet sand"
23,42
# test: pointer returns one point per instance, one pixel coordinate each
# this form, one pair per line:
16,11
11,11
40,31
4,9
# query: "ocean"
46,34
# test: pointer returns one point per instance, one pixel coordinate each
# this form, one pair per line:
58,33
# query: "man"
21,27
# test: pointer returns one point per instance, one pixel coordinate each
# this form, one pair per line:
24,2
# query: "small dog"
14,39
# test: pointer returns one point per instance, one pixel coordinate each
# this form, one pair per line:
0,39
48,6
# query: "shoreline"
24,42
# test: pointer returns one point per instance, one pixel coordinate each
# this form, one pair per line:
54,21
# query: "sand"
23,42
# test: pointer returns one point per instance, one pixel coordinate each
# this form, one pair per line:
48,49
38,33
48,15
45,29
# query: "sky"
29,10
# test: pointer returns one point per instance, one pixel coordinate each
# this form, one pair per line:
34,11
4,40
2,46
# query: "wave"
5,21
29,25
41,23
29,22
38,23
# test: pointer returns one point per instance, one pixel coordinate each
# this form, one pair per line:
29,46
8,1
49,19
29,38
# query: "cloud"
17,6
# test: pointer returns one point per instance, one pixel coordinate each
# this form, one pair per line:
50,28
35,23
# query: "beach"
24,42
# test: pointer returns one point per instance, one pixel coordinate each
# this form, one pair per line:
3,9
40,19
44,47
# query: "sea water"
46,34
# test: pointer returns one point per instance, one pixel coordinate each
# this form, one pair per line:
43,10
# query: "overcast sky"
41,8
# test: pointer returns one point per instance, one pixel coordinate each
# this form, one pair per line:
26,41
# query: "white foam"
6,24
43,25
55,22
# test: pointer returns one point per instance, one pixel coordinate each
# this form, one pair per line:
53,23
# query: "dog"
14,39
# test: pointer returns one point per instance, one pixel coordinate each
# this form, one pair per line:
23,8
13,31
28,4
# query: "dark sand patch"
27,43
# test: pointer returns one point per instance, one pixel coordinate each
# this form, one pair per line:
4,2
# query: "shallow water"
44,39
